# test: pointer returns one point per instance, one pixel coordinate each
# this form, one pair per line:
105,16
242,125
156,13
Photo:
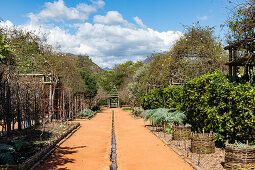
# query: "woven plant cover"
203,143
237,157
181,133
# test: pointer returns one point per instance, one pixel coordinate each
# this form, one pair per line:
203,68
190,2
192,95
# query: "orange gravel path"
89,148
139,149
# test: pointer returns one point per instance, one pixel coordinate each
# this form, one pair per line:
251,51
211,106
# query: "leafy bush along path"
138,148
88,148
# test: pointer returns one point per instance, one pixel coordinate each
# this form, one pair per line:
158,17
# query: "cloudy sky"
112,31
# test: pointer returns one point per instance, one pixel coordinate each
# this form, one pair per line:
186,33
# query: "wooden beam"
230,66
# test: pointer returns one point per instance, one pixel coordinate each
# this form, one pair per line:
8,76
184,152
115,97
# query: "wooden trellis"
241,53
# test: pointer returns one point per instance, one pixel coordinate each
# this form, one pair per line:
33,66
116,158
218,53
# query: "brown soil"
88,148
138,148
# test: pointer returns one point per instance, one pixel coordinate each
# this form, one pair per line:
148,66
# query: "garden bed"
214,161
38,144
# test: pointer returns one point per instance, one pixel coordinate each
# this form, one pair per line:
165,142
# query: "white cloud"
139,22
112,17
203,18
57,11
108,41
6,24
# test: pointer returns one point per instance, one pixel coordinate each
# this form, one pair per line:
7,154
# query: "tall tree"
241,22
91,85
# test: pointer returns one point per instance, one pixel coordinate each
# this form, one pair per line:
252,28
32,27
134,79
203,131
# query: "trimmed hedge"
211,103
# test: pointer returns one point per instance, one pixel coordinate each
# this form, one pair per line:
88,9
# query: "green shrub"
6,154
96,108
211,103
172,96
85,113
127,109
153,99
162,116
137,111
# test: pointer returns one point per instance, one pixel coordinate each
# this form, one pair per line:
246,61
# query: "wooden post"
230,66
234,67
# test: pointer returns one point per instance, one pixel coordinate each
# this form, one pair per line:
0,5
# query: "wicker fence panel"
181,133
237,157
203,143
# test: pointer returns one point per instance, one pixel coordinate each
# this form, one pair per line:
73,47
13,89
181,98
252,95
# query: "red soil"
88,148
137,147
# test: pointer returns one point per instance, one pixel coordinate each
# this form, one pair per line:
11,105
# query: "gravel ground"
213,161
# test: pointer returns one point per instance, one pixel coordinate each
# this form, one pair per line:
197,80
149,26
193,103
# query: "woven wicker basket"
181,133
203,143
239,157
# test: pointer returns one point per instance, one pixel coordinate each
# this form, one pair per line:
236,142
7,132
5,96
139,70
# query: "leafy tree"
197,52
108,80
91,84
5,49
241,22
119,77
138,85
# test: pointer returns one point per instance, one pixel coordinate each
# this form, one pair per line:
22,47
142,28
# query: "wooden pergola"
247,60
113,99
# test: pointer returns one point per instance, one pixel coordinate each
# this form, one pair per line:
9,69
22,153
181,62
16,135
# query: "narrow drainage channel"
113,152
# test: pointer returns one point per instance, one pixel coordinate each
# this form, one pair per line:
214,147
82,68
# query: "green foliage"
21,144
6,154
6,148
161,116
4,49
119,77
91,84
85,113
172,96
102,102
127,109
7,158
96,108
152,99
138,85
241,22
211,103
137,111
109,80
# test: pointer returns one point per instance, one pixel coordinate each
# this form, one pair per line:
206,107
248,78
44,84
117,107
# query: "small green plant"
137,111
7,158
22,144
85,113
96,108
6,154
161,116
127,109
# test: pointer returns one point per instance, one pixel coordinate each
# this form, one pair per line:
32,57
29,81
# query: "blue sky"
112,31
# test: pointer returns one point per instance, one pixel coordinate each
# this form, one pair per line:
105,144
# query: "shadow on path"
60,157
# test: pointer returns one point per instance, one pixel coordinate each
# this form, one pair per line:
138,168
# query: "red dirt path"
88,148
137,148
